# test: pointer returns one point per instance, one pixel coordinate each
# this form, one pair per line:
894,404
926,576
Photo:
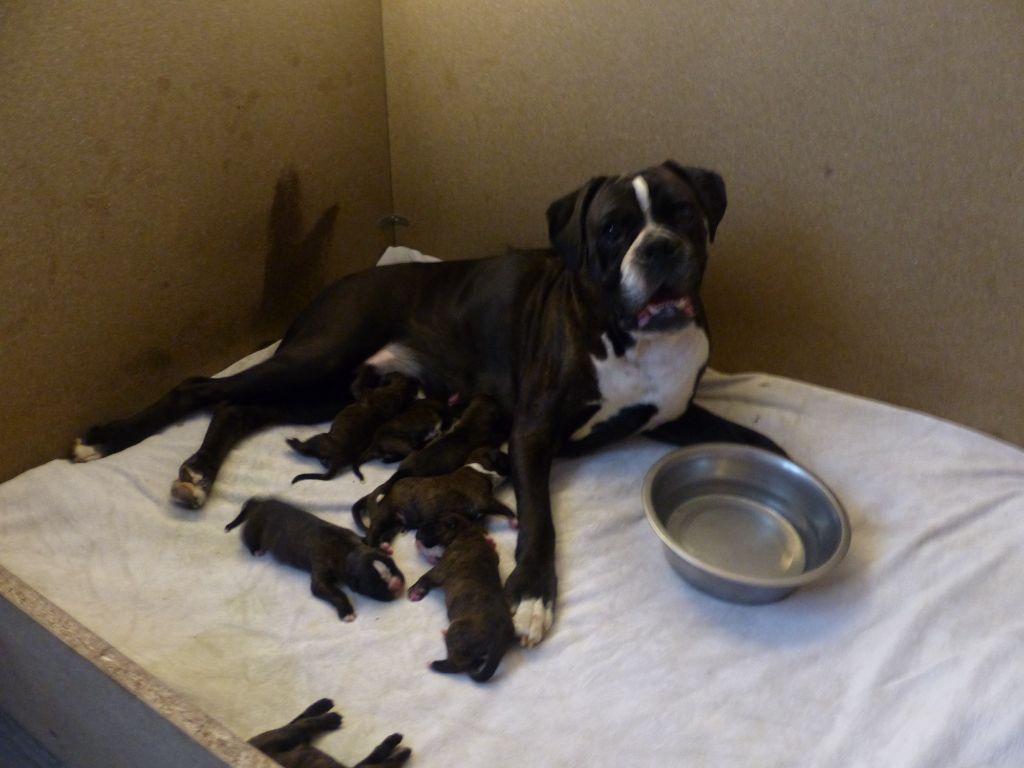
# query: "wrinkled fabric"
908,655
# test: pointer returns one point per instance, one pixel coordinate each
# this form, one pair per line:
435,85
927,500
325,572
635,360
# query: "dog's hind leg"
105,439
231,424
277,381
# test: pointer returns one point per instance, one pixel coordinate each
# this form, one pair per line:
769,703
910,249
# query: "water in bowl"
737,534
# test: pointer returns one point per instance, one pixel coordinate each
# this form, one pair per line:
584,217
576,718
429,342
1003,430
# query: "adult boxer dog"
600,339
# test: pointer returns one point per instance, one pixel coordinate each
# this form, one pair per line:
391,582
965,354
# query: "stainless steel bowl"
743,524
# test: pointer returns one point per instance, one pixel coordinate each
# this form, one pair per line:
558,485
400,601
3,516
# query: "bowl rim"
785,582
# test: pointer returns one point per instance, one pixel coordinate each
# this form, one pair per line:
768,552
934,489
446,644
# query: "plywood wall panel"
141,147
872,152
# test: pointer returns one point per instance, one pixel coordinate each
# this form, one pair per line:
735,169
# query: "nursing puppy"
483,423
353,428
290,745
333,555
409,431
480,627
415,501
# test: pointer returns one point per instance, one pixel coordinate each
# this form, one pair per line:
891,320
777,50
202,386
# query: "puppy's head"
372,573
435,534
642,238
493,461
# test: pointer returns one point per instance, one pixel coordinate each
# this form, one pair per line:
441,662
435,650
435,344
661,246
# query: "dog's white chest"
661,369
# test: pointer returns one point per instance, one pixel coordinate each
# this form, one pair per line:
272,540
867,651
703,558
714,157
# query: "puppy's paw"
318,707
82,452
348,618
191,489
416,593
533,618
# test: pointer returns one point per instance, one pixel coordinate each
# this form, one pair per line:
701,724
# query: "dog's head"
642,239
489,460
434,535
370,572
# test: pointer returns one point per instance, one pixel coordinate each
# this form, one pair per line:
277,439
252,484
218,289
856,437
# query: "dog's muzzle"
660,279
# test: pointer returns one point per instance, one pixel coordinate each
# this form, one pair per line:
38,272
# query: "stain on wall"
295,267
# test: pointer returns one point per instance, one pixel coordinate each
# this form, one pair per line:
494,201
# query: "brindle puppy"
414,501
483,423
480,626
333,555
353,428
290,745
409,431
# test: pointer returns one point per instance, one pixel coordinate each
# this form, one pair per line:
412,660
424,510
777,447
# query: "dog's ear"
567,217
710,189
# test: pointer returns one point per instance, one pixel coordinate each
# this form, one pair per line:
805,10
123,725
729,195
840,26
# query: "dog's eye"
611,232
686,214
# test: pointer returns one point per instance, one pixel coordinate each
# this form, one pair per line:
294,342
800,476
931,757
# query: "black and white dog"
603,338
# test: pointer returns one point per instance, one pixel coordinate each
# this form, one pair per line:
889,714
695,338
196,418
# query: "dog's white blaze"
643,196
661,369
634,286
383,570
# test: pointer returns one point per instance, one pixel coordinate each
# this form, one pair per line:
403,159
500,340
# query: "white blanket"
909,655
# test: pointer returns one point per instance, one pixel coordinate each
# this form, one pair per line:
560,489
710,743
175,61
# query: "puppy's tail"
332,472
486,667
241,516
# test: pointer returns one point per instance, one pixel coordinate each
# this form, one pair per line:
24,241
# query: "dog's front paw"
533,618
531,595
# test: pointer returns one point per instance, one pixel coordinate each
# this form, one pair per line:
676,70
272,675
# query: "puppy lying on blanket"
480,627
332,555
290,744
414,501
483,423
409,431
353,428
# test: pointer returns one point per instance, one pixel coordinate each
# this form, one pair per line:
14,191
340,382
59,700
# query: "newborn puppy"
480,626
408,431
331,554
482,424
290,745
353,428
414,501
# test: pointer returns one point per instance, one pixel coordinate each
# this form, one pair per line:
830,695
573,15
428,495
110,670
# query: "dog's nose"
662,247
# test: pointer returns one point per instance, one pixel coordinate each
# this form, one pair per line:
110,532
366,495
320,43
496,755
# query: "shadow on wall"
294,269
